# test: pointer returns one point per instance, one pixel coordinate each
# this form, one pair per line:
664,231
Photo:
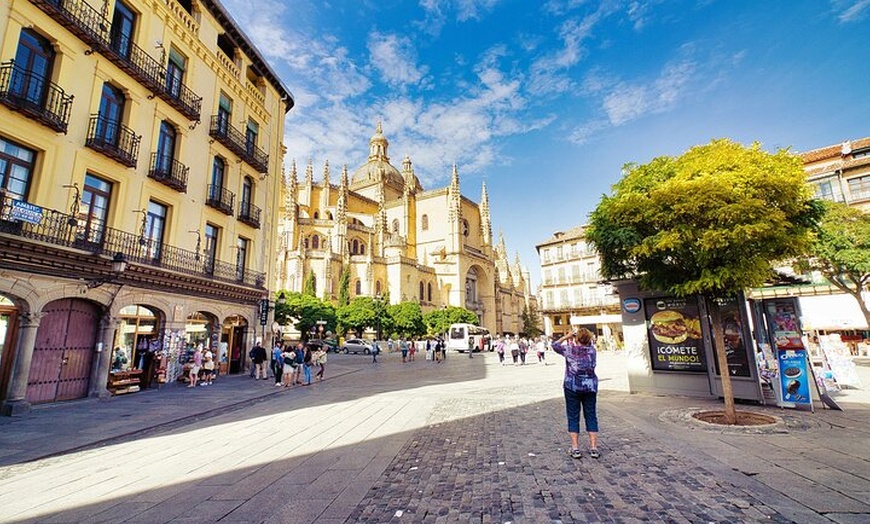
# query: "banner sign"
674,333
25,212
793,376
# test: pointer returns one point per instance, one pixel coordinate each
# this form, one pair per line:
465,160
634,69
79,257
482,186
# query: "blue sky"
547,100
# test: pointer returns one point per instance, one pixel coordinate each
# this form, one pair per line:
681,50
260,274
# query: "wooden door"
64,349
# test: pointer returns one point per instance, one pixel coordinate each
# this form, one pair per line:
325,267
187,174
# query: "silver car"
356,345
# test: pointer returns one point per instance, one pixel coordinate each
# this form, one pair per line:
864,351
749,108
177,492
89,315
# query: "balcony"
114,140
34,97
220,199
79,18
60,229
233,139
89,25
249,214
169,172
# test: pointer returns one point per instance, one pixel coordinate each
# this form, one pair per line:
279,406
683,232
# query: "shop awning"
831,313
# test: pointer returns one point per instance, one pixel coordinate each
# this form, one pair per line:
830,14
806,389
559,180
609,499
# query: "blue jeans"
307,369
573,402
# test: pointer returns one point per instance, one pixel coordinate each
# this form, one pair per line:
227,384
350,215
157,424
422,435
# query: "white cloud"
851,10
395,58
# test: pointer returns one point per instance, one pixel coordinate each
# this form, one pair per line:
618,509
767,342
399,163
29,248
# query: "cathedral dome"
378,166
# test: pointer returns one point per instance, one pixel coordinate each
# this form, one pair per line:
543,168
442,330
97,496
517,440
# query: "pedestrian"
306,365
300,361
375,350
524,348
439,350
195,366
403,346
321,363
514,346
253,367
499,348
470,346
207,367
259,359
288,359
278,362
390,345
540,347
412,349
429,355
580,387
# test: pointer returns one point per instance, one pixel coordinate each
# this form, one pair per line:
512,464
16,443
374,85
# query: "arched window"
429,292
315,242
464,227
329,215
305,242
471,286
355,247
316,215
396,226
424,222
358,287
378,287
422,295
362,248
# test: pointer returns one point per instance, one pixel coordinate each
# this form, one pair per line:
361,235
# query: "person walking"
439,349
514,346
403,346
321,363
288,361
195,366
412,349
429,355
540,347
278,363
580,386
499,348
470,347
300,361
524,348
259,358
306,365
375,350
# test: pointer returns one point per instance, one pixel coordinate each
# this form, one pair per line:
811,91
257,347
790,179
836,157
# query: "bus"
459,334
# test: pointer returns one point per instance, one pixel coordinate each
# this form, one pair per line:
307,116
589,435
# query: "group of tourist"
200,367
434,348
519,347
290,365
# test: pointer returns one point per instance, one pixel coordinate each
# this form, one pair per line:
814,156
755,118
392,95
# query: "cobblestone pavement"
465,441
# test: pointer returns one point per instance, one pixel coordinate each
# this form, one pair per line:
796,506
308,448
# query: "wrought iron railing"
220,199
32,95
114,140
94,29
223,131
80,18
249,214
60,229
169,172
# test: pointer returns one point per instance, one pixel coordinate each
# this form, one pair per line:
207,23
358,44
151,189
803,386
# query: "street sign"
264,311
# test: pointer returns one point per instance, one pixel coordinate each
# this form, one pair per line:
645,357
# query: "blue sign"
794,376
26,212
631,305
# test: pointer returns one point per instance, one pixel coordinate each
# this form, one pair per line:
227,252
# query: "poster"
784,324
794,377
728,310
674,332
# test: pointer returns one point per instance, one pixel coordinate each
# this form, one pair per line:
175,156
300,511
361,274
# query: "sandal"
575,454
594,453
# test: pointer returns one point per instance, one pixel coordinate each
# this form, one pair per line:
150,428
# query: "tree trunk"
724,372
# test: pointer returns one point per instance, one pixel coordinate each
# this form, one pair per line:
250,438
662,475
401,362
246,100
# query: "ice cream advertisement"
793,376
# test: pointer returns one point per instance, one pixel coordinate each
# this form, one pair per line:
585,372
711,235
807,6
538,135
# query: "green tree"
438,321
531,321
407,319
304,311
308,288
358,315
344,287
840,251
709,222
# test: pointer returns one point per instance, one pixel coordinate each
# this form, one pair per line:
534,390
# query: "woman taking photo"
581,388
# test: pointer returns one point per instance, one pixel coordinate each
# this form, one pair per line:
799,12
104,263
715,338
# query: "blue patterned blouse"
579,367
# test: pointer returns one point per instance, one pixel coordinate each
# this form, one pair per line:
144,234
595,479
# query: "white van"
459,334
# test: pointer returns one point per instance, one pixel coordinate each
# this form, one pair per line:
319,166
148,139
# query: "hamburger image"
669,327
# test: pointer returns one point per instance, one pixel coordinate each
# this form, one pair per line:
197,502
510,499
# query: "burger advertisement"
674,327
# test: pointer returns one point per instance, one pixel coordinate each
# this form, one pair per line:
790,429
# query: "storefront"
8,328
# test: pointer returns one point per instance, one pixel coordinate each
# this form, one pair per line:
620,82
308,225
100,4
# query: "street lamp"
119,265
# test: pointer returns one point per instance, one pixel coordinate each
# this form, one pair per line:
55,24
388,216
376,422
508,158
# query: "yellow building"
140,157
841,172
572,292
434,246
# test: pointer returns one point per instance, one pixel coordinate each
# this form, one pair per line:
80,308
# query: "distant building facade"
140,163
572,292
398,240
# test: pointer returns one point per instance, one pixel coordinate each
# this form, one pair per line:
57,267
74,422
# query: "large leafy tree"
358,315
304,311
438,321
407,319
840,251
709,222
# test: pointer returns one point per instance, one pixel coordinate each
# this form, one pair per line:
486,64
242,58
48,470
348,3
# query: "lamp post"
119,265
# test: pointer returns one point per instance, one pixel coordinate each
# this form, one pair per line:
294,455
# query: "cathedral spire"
454,196
326,174
309,173
344,178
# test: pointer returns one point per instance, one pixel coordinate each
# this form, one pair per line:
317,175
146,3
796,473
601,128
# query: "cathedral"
398,240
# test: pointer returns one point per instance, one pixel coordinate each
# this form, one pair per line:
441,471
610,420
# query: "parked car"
356,345
324,345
